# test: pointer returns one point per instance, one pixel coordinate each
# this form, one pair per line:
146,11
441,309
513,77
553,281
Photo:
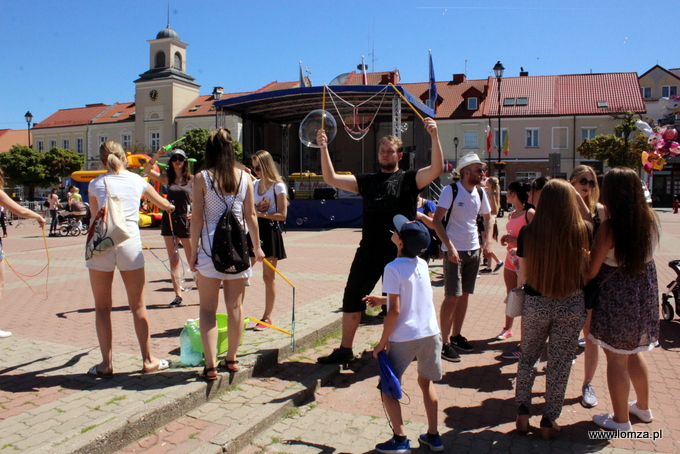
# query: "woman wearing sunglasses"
584,181
179,183
271,202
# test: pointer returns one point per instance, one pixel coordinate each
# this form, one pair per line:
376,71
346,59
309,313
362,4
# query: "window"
560,135
53,144
470,139
588,133
528,175
669,90
155,142
602,104
472,103
126,140
79,146
103,139
522,102
41,146
178,61
160,59
117,114
195,108
504,132
509,102
66,144
646,92
532,138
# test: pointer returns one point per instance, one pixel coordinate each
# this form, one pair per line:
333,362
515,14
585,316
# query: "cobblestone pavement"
48,404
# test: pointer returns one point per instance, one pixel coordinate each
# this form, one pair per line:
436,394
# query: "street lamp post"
455,144
29,119
498,72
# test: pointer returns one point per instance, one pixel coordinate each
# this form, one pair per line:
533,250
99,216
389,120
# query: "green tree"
194,146
32,169
618,149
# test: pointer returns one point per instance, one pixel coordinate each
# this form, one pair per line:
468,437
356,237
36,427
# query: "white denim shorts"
127,256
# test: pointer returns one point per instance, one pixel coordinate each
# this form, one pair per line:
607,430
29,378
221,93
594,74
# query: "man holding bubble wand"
386,193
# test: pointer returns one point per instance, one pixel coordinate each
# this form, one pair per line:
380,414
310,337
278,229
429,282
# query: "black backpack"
230,245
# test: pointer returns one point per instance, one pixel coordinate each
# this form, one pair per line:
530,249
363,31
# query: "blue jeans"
53,225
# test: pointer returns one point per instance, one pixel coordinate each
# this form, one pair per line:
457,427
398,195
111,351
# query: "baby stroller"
74,223
672,292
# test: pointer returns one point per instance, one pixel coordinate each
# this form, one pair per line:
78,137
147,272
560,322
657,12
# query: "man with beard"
386,193
458,207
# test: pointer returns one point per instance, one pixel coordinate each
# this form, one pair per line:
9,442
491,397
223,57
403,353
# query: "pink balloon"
670,134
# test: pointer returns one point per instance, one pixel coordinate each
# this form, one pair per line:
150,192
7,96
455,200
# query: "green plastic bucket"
222,334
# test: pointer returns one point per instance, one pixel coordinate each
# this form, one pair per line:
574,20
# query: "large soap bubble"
312,123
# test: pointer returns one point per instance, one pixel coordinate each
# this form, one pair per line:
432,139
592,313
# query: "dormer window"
195,108
160,59
472,103
117,114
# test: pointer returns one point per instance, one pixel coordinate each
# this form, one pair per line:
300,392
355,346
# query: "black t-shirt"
529,290
386,195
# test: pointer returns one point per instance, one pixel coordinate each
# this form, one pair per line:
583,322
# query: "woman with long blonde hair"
625,322
552,250
127,257
271,201
221,184
584,181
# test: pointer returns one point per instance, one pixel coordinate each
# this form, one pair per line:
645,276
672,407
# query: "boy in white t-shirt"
410,331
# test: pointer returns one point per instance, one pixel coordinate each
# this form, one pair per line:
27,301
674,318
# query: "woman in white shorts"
127,257
220,185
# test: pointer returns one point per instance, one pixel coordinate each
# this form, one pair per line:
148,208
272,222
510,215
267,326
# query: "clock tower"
163,91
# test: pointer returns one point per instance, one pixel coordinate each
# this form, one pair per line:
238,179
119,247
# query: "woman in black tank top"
179,184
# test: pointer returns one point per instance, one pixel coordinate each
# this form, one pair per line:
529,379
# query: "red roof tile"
374,78
118,113
451,103
11,137
576,94
203,105
272,86
72,117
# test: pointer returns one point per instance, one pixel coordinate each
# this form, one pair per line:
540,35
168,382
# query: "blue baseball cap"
414,234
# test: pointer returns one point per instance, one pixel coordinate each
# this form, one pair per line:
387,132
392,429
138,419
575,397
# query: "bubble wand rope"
179,256
323,107
406,101
47,276
292,322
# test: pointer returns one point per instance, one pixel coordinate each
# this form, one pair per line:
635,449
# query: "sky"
68,53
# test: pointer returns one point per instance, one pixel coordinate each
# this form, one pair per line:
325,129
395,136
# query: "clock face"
153,95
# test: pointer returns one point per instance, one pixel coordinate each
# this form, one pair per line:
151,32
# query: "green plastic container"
222,335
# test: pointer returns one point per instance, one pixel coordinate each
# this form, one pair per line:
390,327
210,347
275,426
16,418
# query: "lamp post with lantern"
498,72
29,119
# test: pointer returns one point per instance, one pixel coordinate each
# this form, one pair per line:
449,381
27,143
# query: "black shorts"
180,225
367,269
271,238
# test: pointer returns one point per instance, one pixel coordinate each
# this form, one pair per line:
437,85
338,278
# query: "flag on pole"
302,77
433,87
489,139
364,77
506,142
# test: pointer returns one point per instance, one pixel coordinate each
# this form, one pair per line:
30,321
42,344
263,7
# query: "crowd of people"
560,236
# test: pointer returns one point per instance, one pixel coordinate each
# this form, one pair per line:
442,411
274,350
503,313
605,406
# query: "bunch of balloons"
663,142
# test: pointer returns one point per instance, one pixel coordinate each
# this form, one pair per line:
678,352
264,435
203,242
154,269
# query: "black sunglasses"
256,168
176,158
587,182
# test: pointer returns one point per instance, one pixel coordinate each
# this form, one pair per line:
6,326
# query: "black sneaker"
461,343
486,270
337,357
177,302
450,354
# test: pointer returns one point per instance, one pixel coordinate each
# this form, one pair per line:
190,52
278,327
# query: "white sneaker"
606,421
582,342
4,334
588,398
644,415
